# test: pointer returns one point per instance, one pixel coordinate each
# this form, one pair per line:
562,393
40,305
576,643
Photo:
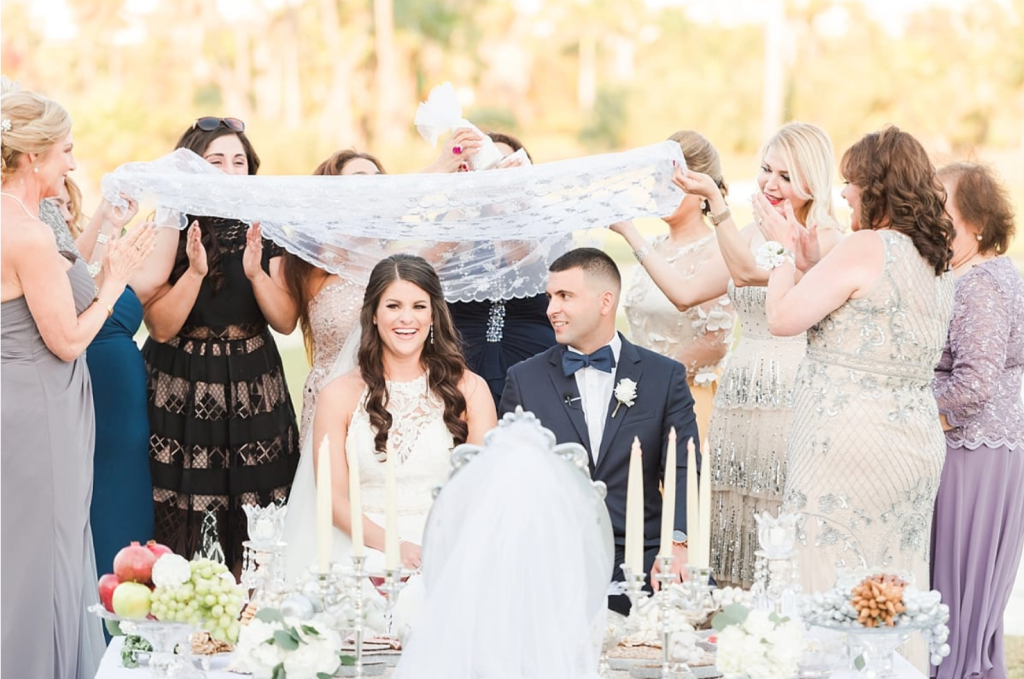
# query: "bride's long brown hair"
441,356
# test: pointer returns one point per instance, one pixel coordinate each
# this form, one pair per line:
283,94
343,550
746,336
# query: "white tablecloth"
111,668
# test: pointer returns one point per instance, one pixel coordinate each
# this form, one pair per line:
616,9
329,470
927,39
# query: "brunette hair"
899,190
197,140
701,157
982,202
502,138
298,272
441,356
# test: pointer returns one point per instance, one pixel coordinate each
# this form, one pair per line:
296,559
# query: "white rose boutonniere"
625,394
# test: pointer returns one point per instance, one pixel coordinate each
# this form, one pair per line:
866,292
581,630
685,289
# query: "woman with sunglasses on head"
223,428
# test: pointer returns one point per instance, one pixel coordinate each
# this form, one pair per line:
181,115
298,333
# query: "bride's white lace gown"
422,444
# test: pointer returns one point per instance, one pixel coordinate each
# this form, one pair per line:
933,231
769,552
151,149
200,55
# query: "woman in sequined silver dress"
866,448
979,514
750,422
328,303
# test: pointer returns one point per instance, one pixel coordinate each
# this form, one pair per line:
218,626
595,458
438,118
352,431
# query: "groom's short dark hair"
593,262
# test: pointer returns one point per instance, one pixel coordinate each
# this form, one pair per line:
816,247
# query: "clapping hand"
125,254
252,258
195,251
794,236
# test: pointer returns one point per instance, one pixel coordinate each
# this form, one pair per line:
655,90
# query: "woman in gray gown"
50,310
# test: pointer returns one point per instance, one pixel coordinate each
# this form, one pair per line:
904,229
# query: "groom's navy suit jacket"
663,401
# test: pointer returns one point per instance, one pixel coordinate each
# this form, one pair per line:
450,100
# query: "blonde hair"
36,124
701,157
808,153
74,207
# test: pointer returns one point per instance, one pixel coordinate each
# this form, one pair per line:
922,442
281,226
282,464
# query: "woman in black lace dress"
223,428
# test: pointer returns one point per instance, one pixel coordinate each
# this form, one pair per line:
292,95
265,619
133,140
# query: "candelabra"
666,578
354,581
633,581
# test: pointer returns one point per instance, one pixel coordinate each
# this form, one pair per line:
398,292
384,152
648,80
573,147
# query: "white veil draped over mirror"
517,557
490,235
300,521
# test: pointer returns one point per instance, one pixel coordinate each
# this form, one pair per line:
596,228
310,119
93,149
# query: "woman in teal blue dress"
122,496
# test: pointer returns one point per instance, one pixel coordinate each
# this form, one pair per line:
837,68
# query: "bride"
407,394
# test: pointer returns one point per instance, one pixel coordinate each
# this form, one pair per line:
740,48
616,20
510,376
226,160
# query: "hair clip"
6,124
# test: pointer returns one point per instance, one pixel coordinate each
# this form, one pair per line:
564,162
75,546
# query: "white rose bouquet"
757,644
272,646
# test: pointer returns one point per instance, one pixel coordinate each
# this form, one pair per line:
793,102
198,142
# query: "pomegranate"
134,563
108,583
131,600
158,549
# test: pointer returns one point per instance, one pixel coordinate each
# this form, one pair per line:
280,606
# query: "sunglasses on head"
210,123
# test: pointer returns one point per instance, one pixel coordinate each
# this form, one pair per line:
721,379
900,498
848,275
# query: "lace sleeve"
978,335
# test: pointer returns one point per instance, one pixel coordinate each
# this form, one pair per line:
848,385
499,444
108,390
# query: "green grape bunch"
210,599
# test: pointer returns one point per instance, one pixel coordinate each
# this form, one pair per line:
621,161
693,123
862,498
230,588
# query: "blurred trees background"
568,76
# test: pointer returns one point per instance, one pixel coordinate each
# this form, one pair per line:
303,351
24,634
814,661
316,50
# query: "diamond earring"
431,333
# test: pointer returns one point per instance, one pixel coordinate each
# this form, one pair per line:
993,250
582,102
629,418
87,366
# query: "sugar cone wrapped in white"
516,563
441,113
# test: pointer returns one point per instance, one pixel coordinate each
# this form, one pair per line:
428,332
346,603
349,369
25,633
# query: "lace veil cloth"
491,235
517,558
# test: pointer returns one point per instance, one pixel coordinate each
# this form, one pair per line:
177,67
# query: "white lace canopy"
491,235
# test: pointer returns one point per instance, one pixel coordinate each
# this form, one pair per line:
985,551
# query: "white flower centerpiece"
756,644
273,646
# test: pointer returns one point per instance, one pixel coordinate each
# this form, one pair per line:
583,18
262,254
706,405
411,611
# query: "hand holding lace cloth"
347,224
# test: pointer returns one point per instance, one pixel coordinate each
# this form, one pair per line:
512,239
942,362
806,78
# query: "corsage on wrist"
772,255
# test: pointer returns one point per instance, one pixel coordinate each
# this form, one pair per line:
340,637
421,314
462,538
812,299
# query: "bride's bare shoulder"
343,391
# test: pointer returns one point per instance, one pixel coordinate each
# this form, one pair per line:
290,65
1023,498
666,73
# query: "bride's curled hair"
441,357
900,190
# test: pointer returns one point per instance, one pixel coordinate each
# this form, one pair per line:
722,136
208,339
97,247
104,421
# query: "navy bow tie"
602,359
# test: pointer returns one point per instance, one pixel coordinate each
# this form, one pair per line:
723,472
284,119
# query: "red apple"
158,549
131,600
134,563
108,583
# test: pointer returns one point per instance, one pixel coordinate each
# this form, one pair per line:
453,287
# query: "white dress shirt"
596,387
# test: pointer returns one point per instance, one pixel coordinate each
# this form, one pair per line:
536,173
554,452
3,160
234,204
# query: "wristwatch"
679,538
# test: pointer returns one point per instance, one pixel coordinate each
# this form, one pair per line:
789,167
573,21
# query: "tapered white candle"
692,504
668,496
355,502
705,507
391,555
324,511
634,557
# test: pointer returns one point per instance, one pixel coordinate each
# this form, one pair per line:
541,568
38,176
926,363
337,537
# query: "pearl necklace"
18,201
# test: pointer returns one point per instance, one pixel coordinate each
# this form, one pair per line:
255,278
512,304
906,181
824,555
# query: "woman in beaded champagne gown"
691,336
747,430
866,449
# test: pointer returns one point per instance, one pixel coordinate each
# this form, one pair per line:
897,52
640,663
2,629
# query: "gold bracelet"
110,309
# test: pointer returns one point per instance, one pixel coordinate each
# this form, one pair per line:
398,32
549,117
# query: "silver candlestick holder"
634,585
354,587
697,599
390,583
666,578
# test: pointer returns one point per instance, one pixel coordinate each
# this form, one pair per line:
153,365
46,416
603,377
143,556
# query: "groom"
579,390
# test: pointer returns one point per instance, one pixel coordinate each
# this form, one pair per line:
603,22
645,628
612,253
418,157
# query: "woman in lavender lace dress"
979,513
